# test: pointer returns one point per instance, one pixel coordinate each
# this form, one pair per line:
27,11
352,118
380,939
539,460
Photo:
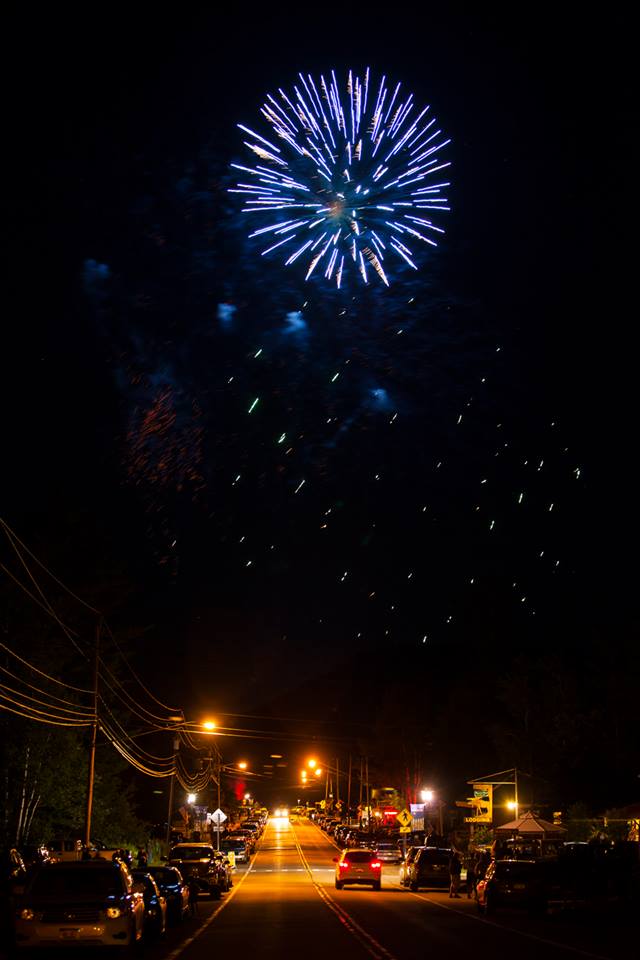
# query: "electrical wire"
135,675
46,605
126,698
141,751
41,672
42,715
10,533
44,703
53,723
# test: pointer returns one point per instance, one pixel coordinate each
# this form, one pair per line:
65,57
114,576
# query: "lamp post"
428,796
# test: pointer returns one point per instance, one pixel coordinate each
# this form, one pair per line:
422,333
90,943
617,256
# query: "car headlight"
27,913
113,913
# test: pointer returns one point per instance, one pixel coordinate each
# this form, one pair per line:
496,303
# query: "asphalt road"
285,905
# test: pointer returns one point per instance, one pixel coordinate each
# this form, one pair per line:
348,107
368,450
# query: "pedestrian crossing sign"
404,818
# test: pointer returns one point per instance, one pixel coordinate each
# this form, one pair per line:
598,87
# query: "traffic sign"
404,818
218,816
405,829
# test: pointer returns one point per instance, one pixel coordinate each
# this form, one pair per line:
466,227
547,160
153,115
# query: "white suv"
358,866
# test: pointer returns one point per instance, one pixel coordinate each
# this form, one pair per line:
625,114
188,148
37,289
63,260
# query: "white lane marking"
225,903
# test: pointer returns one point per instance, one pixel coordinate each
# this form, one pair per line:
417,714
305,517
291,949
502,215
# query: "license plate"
70,934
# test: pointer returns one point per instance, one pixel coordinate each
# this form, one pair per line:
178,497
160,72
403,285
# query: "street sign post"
218,817
405,820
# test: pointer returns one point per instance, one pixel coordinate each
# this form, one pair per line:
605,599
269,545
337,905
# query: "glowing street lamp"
191,797
242,765
312,764
318,772
209,725
427,796
513,806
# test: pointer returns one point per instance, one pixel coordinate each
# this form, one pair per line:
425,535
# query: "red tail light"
375,865
343,865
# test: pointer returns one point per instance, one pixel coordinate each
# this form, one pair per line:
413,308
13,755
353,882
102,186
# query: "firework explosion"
354,182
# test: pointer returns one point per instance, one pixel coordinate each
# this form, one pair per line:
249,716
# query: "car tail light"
344,865
375,865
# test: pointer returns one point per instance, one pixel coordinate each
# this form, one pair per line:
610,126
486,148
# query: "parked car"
255,826
430,868
175,891
358,866
237,846
66,850
75,905
155,904
198,860
364,840
226,870
247,835
388,851
405,866
519,883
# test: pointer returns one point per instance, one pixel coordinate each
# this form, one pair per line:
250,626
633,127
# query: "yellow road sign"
405,829
404,818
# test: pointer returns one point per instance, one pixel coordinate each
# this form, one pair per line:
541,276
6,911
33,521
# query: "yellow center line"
370,944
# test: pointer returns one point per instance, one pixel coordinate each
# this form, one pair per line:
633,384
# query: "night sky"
463,491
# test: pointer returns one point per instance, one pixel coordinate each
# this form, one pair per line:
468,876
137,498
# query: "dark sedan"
175,891
155,904
518,883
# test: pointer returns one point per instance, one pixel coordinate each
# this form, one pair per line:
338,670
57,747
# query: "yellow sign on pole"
404,818
405,829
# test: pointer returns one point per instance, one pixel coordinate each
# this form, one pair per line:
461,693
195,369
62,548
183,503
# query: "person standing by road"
471,875
194,893
455,869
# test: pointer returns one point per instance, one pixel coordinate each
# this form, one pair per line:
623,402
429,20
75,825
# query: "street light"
513,805
209,725
191,797
428,797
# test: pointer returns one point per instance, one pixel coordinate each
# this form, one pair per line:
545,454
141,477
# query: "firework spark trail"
325,194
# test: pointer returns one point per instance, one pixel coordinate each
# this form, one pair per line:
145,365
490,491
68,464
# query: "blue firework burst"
355,182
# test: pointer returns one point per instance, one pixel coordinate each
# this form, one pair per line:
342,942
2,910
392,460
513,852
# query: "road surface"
285,905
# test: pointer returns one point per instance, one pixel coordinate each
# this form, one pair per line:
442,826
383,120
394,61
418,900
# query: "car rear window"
514,870
191,853
434,856
359,856
164,874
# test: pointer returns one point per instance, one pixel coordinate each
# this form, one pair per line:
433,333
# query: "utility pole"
337,781
94,737
219,825
176,747
349,793
366,760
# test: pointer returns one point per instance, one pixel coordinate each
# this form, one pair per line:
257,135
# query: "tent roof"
528,825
